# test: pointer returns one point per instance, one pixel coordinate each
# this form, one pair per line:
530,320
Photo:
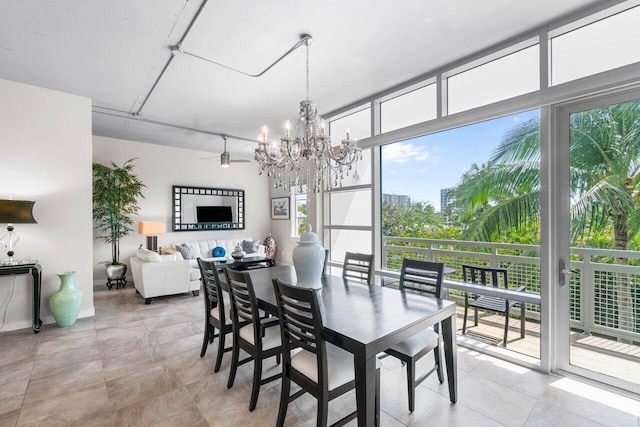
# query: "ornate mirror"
200,208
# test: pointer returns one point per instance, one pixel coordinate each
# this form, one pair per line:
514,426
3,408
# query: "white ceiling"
113,52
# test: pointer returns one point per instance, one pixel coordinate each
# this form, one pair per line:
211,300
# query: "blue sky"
420,167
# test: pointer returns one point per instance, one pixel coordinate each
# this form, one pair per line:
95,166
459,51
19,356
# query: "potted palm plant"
115,199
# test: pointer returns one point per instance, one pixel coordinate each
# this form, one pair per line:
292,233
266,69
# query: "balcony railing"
603,295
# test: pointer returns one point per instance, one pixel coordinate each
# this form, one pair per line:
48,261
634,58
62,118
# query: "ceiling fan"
225,157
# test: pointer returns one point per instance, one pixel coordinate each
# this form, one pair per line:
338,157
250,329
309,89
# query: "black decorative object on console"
14,212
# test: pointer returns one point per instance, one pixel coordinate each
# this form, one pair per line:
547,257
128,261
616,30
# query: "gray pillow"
249,246
186,251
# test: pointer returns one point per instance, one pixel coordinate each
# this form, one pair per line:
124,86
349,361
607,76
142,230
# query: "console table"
36,274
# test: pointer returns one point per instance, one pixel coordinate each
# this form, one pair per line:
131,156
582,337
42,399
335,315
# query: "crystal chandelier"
308,157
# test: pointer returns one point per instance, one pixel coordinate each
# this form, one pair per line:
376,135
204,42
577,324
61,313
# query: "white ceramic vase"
308,259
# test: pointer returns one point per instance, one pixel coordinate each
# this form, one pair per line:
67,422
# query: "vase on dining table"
308,260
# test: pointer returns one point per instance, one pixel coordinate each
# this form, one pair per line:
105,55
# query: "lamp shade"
17,212
151,228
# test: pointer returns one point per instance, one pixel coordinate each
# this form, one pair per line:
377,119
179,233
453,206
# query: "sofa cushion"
148,256
250,246
204,248
187,252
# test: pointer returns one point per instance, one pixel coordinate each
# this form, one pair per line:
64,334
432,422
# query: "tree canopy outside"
499,200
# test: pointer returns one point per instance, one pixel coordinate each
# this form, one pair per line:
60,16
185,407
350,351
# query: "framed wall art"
280,208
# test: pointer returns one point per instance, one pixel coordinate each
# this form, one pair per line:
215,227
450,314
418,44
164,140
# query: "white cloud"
402,152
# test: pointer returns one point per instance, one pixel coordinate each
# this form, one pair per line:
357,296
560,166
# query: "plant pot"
116,273
65,302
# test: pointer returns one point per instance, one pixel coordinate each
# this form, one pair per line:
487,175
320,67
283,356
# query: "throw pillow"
249,246
219,252
186,251
148,256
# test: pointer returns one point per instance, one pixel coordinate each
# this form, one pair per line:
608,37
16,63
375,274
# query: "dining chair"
496,277
318,367
326,261
358,267
217,307
259,338
425,278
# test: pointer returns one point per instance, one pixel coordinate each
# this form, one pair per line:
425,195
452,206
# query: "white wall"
45,138
281,229
160,167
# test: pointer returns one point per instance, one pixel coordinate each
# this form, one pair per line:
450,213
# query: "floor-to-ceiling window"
435,176
348,212
469,195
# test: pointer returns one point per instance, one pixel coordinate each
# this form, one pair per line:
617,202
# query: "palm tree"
604,183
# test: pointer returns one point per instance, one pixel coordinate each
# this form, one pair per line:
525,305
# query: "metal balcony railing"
603,296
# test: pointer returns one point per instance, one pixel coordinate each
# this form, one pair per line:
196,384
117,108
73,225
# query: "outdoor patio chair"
496,277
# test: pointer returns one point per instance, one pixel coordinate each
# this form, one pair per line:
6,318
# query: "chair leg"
464,319
277,359
411,384
376,420
206,339
257,375
506,328
438,359
323,411
522,309
235,354
284,400
475,316
220,352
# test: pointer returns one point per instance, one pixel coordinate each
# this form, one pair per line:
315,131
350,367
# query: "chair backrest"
301,324
212,286
244,304
479,275
423,277
326,260
358,267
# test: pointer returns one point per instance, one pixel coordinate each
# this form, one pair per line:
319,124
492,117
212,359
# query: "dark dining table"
366,320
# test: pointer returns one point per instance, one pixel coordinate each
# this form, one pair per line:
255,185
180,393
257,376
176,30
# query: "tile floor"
139,365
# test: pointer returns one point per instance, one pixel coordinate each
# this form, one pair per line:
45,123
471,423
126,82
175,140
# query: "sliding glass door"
598,263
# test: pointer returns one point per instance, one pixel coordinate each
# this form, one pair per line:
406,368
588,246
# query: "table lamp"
14,212
151,229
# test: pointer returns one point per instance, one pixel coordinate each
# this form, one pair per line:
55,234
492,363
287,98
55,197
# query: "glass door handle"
564,272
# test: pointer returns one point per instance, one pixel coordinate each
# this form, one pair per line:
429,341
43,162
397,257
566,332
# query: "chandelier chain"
307,45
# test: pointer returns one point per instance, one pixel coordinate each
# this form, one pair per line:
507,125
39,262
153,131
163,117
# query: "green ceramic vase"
65,303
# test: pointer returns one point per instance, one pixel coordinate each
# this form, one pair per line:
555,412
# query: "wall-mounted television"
214,214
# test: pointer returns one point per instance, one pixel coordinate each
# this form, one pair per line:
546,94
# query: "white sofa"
156,275
204,248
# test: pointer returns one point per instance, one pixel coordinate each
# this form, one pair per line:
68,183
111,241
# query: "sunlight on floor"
599,395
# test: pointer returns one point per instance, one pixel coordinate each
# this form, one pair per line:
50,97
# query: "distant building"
447,197
397,199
